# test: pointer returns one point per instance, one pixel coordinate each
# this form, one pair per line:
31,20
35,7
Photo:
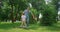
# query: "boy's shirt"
23,17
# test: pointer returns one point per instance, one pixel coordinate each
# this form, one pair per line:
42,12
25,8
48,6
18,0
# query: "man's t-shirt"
26,12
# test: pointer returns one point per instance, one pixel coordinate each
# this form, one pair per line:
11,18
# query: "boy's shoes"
25,27
20,26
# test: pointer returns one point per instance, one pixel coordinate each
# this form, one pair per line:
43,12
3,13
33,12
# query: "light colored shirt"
23,17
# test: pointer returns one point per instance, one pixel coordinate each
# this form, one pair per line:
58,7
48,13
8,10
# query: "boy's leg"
21,24
24,23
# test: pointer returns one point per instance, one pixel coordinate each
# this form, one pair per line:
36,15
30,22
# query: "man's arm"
32,15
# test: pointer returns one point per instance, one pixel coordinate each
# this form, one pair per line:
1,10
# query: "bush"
49,16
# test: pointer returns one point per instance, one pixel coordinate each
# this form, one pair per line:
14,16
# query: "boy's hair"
23,13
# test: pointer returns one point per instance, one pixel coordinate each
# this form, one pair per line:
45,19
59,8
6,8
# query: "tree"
49,14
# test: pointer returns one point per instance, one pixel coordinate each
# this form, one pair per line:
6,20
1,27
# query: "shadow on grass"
54,27
9,25
34,26
16,25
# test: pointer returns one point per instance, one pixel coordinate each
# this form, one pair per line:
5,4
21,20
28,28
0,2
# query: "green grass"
9,27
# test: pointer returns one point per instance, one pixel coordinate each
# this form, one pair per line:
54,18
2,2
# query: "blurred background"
47,12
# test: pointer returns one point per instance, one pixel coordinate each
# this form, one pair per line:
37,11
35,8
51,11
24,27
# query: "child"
23,20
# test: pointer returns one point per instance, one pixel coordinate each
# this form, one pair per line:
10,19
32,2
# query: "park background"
10,15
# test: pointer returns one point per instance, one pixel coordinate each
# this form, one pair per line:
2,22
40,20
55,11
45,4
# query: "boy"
23,20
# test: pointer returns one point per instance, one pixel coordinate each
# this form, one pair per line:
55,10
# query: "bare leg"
24,24
21,24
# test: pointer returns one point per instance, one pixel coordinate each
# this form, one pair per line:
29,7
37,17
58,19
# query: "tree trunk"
12,18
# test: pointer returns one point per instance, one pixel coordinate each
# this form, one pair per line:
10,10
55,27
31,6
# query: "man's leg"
27,21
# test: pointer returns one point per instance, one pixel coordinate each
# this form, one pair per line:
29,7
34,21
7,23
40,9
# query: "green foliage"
14,7
33,11
49,16
6,9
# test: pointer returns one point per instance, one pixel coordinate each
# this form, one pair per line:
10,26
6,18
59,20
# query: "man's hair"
27,7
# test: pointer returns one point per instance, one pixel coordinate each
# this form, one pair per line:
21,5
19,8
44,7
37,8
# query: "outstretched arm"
32,15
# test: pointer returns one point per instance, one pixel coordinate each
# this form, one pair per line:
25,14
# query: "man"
26,12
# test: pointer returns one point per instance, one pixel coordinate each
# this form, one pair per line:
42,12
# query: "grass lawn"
9,27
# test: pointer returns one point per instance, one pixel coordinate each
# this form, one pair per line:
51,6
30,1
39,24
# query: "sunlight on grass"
9,27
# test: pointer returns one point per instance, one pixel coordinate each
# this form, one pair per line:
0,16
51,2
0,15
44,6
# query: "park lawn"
9,27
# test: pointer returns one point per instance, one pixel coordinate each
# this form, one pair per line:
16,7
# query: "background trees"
12,9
